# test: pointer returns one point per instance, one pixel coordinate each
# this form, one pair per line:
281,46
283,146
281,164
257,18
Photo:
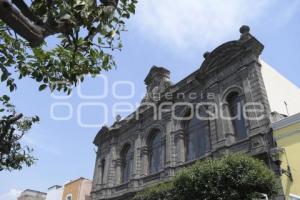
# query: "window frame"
127,160
160,147
235,102
69,196
203,136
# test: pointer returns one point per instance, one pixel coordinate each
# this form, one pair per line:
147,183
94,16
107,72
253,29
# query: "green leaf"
131,8
11,88
105,61
4,76
6,98
42,87
39,78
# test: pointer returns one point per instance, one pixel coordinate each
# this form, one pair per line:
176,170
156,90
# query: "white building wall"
55,193
280,90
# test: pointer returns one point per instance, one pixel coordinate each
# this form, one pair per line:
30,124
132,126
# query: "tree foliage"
12,128
233,177
163,191
84,34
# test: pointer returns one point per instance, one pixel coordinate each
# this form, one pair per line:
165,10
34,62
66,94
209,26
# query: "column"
228,128
168,144
220,127
118,175
145,161
136,159
97,175
180,146
253,115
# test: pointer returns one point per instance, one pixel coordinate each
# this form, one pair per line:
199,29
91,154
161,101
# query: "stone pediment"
229,51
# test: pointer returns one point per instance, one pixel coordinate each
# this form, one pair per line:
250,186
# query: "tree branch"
26,10
15,118
6,125
19,17
12,16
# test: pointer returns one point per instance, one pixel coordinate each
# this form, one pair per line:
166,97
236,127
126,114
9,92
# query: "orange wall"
72,188
80,189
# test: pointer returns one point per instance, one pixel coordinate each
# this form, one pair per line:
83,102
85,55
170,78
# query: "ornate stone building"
151,145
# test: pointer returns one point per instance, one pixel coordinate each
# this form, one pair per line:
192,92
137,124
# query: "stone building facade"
151,145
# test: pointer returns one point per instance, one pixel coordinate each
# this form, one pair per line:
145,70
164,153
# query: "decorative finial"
206,54
244,29
118,118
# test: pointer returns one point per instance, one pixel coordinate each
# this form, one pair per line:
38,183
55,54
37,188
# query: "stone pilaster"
137,158
220,125
118,176
111,176
97,175
180,146
168,145
227,125
145,161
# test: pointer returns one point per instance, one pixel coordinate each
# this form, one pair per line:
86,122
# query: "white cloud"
13,194
186,24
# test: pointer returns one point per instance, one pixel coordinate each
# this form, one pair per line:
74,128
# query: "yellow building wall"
289,139
72,188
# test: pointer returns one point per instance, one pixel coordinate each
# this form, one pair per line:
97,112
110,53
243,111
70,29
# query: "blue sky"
169,33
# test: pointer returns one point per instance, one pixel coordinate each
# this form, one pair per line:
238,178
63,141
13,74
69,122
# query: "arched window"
156,152
102,170
235,107
127,163
197,137
69,197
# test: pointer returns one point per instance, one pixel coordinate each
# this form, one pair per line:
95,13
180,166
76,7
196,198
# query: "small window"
127,163
156,152
235,106
197,138
69,197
